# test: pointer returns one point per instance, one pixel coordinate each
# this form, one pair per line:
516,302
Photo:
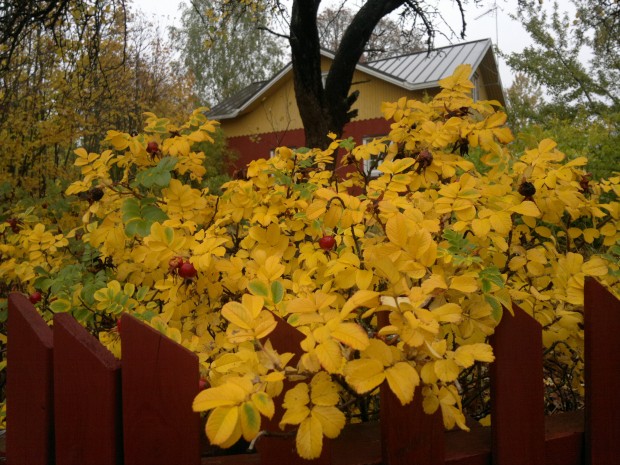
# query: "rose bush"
453,230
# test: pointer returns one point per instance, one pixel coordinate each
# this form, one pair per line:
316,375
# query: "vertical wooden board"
602,374
281,449
286,338
159,383
29,390
517,391
408,435
87,400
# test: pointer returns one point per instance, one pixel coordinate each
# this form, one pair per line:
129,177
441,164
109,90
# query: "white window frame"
475,92
375,173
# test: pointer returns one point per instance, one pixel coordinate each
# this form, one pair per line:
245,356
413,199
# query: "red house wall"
250,148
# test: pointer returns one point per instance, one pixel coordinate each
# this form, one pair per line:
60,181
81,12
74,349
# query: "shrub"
437,247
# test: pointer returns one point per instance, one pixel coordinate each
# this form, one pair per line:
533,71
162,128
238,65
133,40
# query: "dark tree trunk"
325,110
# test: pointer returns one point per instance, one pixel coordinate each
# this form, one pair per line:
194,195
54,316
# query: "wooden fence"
68,403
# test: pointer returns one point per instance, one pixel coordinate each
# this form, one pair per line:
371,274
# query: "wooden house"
264,115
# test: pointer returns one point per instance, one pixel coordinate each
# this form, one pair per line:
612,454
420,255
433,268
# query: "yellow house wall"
277,112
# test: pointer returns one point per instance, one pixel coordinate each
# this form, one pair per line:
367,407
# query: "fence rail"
71,403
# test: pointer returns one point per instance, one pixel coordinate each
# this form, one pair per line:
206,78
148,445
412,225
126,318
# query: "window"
475,92
371,165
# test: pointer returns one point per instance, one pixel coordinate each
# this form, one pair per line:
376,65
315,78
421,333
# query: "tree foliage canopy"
386,40
568,86
242,53
65,86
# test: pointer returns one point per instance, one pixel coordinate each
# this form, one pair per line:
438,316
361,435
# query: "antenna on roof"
491,11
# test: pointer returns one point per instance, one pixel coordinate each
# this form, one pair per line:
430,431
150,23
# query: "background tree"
576,63
65,87
386,40
243,54
328,108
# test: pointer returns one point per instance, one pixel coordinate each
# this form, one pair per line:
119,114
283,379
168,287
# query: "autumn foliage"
452,231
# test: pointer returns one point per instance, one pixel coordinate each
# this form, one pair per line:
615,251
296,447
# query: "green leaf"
490,276
497,309
259,288
139,216
158,175
60,306
277,292
141,294
82,314
348,144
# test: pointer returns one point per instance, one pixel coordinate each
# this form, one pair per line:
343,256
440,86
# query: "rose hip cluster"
185,269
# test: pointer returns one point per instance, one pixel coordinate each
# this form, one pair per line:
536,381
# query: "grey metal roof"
416,71
423,69
232,104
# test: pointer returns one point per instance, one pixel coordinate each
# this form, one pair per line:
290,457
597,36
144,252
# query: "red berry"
327,242
187,270
152,147
14,223
35,297
118,325
202,384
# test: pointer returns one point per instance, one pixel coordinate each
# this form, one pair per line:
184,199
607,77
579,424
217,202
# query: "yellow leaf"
501,222
465,284
590,234
351,334
466,355
402,379
459,80
332,420
380,351
250,420
298,395
294,415
446,370
309,439
481,227
265,324
238,314
448,313
596,266
362,297
323,390
364,374
315,209
574,232
264,404
516,263
225,395
329,355
430,404
526,208
222,425
396,230
433,282
363,278
546,145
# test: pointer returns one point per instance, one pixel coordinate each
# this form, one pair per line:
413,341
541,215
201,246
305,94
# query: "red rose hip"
187,270
152,147
35,297
327,242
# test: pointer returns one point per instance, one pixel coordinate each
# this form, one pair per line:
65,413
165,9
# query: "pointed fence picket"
70,402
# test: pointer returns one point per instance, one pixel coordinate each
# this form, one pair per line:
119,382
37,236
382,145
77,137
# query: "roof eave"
259,94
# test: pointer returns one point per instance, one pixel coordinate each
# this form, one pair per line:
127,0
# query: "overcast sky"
490,19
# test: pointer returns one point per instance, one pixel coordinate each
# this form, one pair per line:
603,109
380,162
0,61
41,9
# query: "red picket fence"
71,403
